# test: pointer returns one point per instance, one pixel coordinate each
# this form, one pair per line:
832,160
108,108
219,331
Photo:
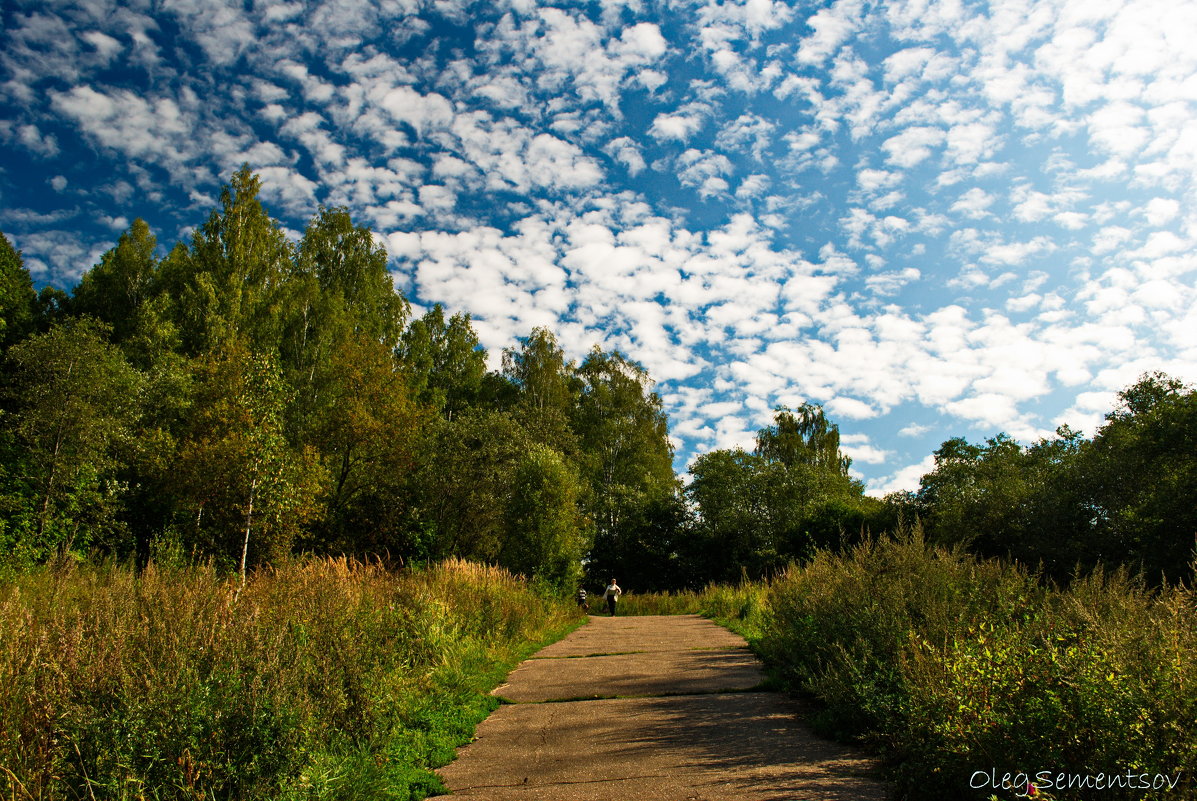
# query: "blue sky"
936,219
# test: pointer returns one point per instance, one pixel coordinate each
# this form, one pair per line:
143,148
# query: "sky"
935,219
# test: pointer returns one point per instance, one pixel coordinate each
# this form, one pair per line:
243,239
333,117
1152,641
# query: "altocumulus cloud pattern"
934,218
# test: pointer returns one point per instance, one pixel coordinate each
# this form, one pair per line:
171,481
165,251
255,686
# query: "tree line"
245,397
1068,504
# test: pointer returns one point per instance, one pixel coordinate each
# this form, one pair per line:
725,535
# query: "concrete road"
676,716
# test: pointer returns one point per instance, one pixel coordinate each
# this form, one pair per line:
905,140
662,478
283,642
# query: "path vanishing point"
660,708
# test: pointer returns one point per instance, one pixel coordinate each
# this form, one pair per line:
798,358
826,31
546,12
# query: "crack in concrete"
526,783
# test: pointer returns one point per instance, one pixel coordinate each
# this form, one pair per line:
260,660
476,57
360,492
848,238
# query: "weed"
323,679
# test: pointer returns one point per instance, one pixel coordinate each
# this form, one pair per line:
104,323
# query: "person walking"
612,594
581,596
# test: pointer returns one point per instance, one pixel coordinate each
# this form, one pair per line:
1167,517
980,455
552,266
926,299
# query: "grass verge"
958,671
324,679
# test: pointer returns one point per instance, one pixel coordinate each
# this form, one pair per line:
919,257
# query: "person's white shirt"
612,590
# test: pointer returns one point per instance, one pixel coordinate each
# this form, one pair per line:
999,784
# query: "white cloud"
906,479
850,408
561,48
830,28
45,145
158,130
748,133
974,203
912,146
704,170
679,126
890,283
1034,160
627,152
745,18
1161,211
754,185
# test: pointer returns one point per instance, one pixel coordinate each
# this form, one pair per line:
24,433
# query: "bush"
323,679
948,665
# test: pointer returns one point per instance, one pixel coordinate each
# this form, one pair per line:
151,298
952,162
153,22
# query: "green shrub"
323,679
948,665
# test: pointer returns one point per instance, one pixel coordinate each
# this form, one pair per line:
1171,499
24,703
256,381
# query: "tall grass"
950,666
686,602
319,680
738,607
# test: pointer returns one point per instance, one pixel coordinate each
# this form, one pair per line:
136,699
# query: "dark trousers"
611,605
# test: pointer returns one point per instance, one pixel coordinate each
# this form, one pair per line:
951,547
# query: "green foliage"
1122,498
950,665
760,511
119,289
803,437
338,303
72,406
750,514
247,490
319,680
446,364
369,435
349,268
18,301
546,537
465,483
229,286
546,389
625,455
653,547
1139,479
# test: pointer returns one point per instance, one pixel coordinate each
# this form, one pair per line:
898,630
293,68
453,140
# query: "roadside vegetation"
948,665
324,679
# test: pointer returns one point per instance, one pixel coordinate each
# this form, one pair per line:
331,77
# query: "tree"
229,286
445,362
1139,475
745,526
18,301
625,456
370,434
247,492
339,292
803,437
545,387
657,548
465,483
757,512
546,535
73,404
116,289
350,271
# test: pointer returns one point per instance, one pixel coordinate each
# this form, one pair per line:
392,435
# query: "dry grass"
320,679
950,665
